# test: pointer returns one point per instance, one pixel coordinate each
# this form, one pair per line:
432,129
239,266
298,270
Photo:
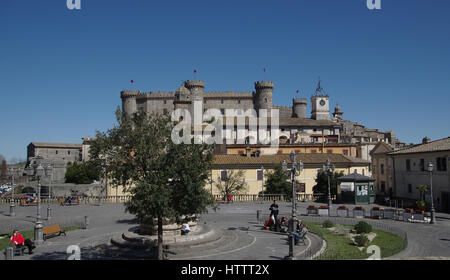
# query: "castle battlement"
129,93
264,84
194,83
300,101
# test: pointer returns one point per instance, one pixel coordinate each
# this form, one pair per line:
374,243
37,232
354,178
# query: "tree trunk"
160,239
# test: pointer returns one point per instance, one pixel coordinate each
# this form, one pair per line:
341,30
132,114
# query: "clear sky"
61,71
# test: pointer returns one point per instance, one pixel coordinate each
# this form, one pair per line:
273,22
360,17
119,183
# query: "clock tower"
320,105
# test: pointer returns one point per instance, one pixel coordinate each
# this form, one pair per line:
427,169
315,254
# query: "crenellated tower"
195,86
128,97
263,95
299,107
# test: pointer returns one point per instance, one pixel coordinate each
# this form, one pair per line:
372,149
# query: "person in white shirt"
185,229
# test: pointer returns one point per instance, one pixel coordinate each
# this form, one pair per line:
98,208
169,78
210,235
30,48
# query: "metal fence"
82,200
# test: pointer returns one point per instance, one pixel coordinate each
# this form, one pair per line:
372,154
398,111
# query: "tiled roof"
355,177
435,146
294,122
278,159
55,145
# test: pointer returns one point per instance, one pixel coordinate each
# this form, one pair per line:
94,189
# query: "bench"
23,202
299,237
52,230
75,202
19,251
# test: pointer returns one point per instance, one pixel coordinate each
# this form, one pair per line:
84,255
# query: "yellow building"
254,166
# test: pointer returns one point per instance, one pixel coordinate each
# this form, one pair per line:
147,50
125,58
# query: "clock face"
322,102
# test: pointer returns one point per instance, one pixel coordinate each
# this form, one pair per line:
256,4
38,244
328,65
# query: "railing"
82,199
265,197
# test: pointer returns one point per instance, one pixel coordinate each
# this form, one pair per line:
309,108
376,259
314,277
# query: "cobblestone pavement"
237,220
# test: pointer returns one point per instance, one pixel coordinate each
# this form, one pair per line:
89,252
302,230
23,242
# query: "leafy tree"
422,189
3,173
166,180
233,184
82,173
277,182
321,186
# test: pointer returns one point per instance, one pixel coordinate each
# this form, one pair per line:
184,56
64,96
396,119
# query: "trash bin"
9,253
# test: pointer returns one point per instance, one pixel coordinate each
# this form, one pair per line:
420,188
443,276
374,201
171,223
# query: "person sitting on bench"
18,241
185,229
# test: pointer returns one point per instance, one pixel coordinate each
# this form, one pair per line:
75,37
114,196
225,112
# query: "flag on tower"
132,81
195,70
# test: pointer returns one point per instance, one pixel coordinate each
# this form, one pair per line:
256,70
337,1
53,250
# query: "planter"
342,212
418,217
169,229
358,212
323,211
388,214
375,213
312,210
407,216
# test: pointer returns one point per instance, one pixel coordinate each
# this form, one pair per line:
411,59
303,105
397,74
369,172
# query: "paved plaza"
242,237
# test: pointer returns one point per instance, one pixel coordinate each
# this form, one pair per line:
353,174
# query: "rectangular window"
408,165
222,111
382,168
56,151
223,175
409,188
204,101
441,164
259,175
221,101
68,152
422,164
239,101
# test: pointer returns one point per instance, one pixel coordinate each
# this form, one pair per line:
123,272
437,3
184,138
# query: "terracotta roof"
355,177
435,146
55,145
294,122
320,159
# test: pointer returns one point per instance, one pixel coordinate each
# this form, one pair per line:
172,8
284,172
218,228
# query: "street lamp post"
293,222
262,187
329,169
430,170
12,208
40,172
49,173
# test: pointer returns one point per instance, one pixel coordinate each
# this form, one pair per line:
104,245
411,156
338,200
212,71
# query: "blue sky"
61,71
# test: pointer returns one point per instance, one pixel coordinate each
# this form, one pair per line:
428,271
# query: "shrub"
327,224
361,240
363,227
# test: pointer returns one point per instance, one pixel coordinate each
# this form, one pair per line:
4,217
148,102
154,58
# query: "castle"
165,102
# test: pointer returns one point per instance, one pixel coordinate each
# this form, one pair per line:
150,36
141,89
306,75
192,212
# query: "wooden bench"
23,202
52,230
75,202
18,251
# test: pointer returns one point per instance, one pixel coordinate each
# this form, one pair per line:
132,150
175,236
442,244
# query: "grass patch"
341,247
27,234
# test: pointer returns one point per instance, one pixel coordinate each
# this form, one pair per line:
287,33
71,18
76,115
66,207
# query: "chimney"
426,140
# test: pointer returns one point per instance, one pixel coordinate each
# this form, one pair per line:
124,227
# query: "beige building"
382,168
252,167
410,170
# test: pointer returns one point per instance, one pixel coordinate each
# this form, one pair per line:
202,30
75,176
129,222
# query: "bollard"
258,215
86,222
9,253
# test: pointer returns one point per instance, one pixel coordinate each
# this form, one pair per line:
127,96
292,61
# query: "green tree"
82,173
321,186
166,180
233,184
422,189
277,182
